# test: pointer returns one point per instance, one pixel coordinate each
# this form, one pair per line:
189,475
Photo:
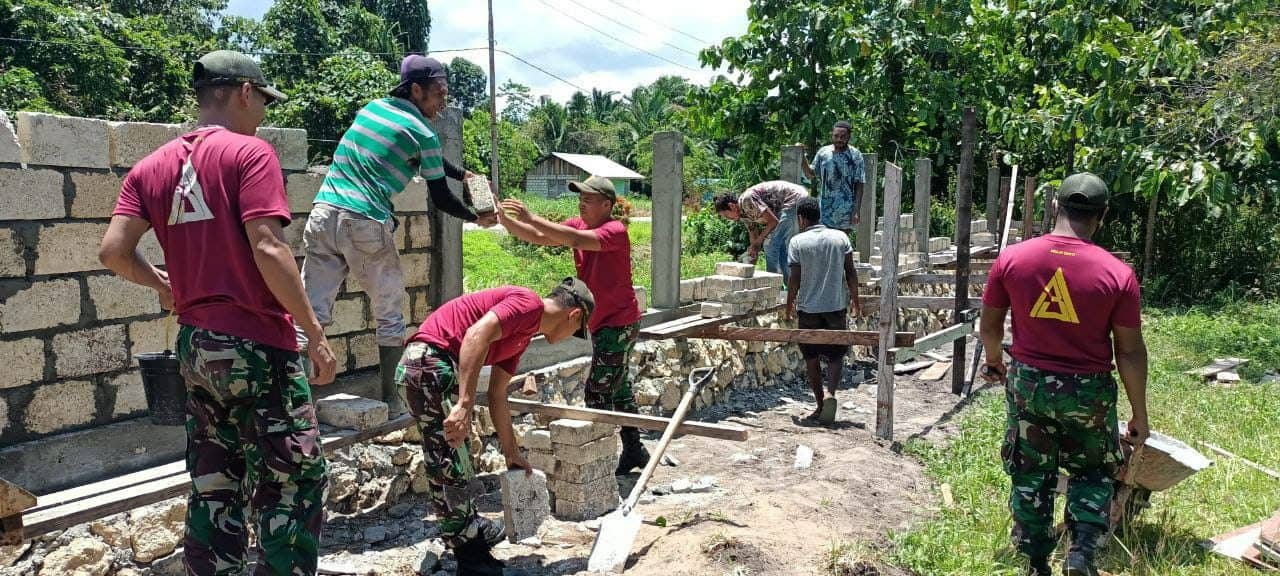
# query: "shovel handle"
676,419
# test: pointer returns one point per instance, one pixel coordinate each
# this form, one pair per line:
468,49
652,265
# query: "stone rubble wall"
69,328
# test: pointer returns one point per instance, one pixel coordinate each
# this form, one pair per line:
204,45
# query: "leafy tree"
519,101
468,85
517,152
346,82
411,20
578,107
603,105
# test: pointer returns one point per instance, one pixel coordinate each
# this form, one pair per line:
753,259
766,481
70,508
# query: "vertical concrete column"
924,178
993,199
792,158
446,231
867,208
668,191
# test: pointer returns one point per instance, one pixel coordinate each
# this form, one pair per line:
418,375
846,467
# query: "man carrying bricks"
822,290
351,228
216,199
438,378
770,211
839,172
1074,305
602,255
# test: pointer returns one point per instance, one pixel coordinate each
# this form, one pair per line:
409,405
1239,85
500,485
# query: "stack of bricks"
582,483
69,328
738,289
980,235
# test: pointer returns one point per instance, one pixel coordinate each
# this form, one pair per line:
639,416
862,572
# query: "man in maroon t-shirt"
442,360
216,199
1070,299
602,254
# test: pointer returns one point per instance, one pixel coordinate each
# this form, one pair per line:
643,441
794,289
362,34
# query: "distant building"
551,176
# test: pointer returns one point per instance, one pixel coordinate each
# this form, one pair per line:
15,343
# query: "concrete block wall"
69,329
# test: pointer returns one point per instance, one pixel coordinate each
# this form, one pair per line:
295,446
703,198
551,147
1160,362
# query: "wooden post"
1006,183
993,198
924,187
1006,208
494,174
867,208
1046,221
964,215
1028,207
888,299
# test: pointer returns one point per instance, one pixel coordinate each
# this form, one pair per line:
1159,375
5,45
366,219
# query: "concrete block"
691,290
31,195
115,297
41,305
735,269
10,150
542,460
149,336
347,316
712,309
727,309
150,248
95,194
936,259
418,231
340,347
60,406
579,511
290,145
413,198
578,432
364,350
603,490
12,262
586,473
24,360
417,269
133,141
130,397
536,439
642,298
301,188
50,140
293,235
765,279
525,503
606,447
983,239
66,248
906,221
719,282
939,244
979,225
92,351
348,411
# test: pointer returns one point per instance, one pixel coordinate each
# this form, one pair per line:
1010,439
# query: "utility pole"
494,175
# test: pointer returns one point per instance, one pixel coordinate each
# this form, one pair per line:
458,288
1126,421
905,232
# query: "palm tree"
579,107
602,105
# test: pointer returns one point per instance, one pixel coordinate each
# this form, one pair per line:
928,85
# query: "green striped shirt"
379,154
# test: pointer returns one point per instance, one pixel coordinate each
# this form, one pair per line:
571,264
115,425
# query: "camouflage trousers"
1065,421
252,442
428,382
609,382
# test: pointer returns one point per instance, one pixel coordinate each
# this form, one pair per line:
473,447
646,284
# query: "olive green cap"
231,68
1083,191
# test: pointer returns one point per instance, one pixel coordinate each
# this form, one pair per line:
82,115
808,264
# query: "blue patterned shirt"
837,173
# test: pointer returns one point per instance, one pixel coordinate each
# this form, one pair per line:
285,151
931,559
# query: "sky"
545,33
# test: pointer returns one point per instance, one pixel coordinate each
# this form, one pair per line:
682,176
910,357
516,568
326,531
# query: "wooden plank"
935,372
119,482
705,429
934,340
1218,365
106,504
678,329
14,499
1028,208
912,366
1007,210
791,335
941,279
975,266
867,208
964,214
888,300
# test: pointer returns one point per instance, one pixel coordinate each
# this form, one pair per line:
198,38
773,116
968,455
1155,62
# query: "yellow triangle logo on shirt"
1055,293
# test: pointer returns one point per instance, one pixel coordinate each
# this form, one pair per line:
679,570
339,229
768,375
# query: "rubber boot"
1040,567
1084,546
388,361
633,453
475,556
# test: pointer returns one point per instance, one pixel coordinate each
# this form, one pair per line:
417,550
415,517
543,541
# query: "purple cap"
416,67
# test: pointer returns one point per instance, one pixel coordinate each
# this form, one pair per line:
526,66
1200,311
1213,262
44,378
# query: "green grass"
565,207
490,259
972,537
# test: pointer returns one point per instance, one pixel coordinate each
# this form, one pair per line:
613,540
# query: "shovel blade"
613,544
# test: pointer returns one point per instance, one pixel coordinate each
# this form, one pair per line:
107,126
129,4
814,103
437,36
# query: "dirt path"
763,516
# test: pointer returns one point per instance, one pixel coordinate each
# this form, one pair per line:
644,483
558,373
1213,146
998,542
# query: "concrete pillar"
792,158
924,178
993,198
668,191
446,231
867,209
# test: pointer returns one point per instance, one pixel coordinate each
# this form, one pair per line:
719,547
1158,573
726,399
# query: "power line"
538,68
202,51
620,41
628,26
672,28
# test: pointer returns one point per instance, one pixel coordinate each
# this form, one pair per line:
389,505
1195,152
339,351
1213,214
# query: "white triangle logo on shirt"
188,191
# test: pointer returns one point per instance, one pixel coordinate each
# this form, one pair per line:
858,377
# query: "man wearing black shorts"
823,288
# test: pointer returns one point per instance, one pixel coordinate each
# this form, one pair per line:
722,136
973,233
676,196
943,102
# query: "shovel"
619,528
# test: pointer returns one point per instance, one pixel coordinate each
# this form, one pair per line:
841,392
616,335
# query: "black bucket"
165,388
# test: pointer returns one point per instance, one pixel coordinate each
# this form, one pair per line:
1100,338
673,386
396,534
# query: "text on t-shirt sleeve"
261,184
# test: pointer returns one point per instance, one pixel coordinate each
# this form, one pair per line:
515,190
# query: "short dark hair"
406,90
724,200
843,124
564,297
214,95
1075,214
809,209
